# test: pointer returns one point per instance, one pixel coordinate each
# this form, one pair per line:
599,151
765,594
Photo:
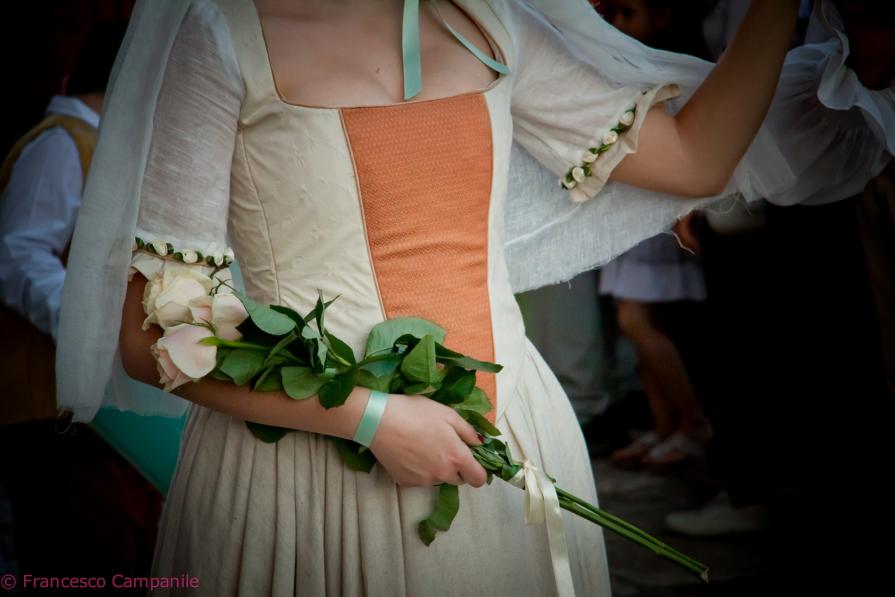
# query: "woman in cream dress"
399,209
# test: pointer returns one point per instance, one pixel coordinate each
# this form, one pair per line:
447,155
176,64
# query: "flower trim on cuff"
584,169
162,248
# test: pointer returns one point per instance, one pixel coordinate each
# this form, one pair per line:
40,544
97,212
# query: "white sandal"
681,441
643,444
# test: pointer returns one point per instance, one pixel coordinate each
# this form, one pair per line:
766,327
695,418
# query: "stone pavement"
739,565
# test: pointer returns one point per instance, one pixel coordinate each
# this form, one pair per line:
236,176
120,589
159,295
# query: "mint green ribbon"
369,422
410,48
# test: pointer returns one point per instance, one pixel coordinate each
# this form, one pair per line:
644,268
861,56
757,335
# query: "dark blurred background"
41,39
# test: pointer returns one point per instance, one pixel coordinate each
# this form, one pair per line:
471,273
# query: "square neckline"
261,41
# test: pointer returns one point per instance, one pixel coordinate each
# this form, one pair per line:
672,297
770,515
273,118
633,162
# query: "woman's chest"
312,65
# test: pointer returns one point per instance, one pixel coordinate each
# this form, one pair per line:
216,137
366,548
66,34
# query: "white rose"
578,173
610,137
578,196
161,247
167,296
229,254
218,257
588,157
627,118
223,310
180,357
569,184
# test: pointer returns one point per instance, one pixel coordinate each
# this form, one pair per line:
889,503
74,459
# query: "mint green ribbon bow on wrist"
410,45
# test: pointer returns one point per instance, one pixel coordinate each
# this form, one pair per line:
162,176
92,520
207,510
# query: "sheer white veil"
548,239
88,362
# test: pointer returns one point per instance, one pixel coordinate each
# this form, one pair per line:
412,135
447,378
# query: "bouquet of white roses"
213,329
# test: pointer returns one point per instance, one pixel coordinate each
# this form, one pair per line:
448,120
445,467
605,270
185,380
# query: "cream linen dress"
398,209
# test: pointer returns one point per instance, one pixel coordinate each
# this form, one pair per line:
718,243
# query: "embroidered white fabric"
161,168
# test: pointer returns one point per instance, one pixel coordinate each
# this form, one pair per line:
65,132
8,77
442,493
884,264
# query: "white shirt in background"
37,217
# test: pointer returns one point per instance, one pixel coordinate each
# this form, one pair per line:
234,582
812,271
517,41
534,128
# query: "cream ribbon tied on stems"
542,505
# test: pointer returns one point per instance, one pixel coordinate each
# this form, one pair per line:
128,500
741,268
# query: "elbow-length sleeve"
185,194
157,195
568,115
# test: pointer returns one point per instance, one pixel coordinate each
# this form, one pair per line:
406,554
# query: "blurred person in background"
657,275
78,507
871,27
805,432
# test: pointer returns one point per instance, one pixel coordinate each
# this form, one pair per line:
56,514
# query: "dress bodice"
395,208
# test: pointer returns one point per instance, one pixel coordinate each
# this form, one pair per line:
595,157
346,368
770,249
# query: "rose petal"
188,355
227,313
172,303
200,308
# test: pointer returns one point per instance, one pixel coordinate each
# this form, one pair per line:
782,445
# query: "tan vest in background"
27,355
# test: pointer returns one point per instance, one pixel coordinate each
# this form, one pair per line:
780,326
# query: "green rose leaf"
354,455
316,348
476,401
448,356
291,314
243,364
270,382
478,421
267,319
383,335
336,391
342,350
266,433
264,374
283,343
419,365
418,388
396,384
368,379
447,504
456,385
301,382
317,312
386,366
220,356
217,374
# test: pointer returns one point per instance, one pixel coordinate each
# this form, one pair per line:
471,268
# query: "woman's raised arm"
694,152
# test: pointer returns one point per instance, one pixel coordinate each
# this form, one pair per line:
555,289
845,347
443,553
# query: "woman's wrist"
345,419
369,422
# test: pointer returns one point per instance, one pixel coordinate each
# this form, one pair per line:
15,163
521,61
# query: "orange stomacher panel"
424,178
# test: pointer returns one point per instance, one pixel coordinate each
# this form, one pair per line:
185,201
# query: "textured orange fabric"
424,177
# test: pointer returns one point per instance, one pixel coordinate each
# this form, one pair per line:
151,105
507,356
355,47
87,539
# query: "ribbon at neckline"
542,505
410,48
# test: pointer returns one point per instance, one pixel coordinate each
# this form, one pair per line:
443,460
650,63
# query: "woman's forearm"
271,408
276,408
695,152
720,120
